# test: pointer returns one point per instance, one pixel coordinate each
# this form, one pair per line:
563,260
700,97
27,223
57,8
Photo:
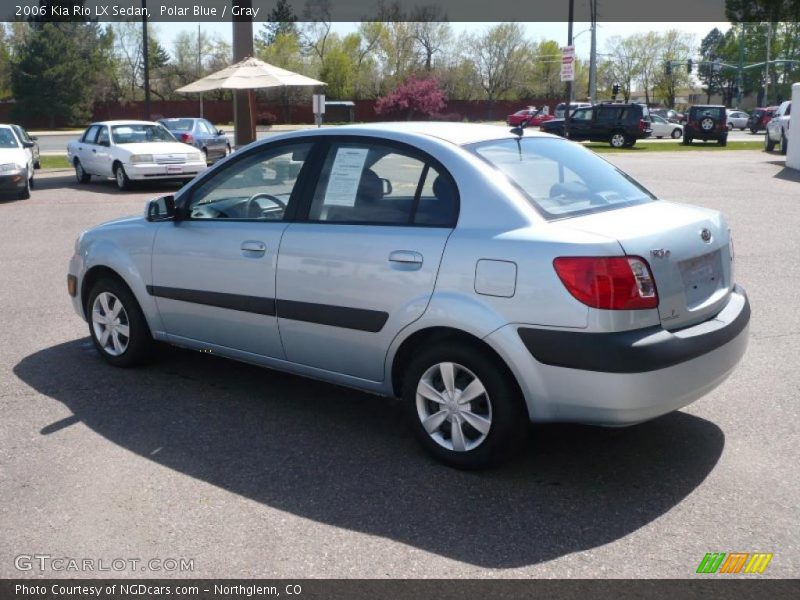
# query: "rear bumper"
627,377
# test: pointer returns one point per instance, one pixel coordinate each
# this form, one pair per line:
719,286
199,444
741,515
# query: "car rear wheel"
617,140
80,175
463,406
769,145
723,141
205,155
730,126
753,130
117,325
676,133
25,193
687,140
784,144
123,183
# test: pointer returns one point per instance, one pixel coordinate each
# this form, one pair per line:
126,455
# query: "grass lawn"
676,146
55,162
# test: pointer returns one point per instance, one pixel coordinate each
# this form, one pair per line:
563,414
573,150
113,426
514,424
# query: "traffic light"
689,65
668,68
614,91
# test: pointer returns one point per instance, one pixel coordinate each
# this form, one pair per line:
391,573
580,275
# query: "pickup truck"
778,128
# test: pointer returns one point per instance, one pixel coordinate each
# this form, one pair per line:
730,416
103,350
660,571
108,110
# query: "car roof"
124,122
182,119
459,134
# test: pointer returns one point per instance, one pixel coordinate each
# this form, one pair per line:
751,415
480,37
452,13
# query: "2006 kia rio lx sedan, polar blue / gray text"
485,278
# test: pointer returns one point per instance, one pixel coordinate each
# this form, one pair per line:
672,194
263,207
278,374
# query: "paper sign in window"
345,176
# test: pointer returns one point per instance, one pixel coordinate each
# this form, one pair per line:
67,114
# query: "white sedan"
663,128
132,151
737,120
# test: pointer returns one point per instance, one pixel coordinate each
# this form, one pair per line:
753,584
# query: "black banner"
374,589
396,10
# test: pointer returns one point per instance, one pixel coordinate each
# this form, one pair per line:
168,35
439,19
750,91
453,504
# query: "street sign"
318,104
568,63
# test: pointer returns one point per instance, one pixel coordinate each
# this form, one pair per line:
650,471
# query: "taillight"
642,125
187,138
608,282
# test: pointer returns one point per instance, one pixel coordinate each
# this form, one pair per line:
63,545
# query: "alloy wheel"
110,324
617,140
454,407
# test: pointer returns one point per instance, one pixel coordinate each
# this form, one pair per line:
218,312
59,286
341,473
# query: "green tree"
712,48
281,20
58,69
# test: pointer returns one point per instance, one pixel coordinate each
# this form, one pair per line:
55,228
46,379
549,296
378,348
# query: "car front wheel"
25,193
123,183
769,145
117,325
784,144
676,133
618,140
464,408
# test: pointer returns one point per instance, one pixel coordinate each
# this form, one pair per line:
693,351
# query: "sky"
167,32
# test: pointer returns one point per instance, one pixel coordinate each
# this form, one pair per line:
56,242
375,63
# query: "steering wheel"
253,205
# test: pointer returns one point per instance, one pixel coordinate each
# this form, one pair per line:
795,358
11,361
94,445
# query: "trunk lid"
687,248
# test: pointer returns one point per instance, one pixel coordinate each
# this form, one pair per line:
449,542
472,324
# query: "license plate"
174,169
700,270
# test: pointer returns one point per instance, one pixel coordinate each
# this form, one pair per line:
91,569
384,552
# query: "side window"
255,188
88,137
102,137
788,110
382,185
211,129
582,115
607,115
203,127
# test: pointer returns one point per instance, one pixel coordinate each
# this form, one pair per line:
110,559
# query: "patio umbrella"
249,74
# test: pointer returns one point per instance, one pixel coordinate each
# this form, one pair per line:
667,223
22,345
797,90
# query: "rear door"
84,147
363,264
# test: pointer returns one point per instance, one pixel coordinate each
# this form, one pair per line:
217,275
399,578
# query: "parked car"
534,116
559,112
737,119
201,134
31,142
706,122
778,128
616,123
759,118
669,114
132,151
16,163
663,128
536,283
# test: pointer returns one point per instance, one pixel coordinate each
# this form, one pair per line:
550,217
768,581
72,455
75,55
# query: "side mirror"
28,144
34,137
387,186
161,209
220,132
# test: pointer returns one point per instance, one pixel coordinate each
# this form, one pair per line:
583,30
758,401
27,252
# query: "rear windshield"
179,124
715,113
561,178
137,133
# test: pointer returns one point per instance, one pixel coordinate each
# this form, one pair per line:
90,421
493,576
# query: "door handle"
94,151
252,247
407,257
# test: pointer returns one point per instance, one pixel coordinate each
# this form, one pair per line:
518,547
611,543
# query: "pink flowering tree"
413,97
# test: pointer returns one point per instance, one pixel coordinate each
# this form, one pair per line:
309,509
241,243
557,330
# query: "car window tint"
257,187
561,178
180,125
8,139
22,134
788,110
102,136
582,115
607,114
90,134
379,184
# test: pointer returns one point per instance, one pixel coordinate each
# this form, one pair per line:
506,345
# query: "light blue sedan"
488,279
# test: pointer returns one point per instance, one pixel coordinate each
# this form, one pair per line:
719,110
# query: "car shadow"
104,186
347,459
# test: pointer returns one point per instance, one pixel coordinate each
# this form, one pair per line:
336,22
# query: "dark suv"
706,123
618,124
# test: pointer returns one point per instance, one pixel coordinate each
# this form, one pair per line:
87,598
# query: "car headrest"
370,188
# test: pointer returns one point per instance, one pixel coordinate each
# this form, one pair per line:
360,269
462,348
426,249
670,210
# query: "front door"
214,270
364,264
580,124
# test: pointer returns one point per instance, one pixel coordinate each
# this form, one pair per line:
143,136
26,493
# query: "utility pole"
244,120
199,67
740,77
766,65
593,54
569,83
146,57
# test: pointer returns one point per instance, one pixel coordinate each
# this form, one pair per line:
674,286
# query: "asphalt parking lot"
253,473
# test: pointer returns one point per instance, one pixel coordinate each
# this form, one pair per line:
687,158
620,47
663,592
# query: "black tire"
676,134
753,130
140,341
618,139
37,164
784,144
80,175
723,141
25,193
687,140
205,155
730,126
121,178
769,145
508,416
